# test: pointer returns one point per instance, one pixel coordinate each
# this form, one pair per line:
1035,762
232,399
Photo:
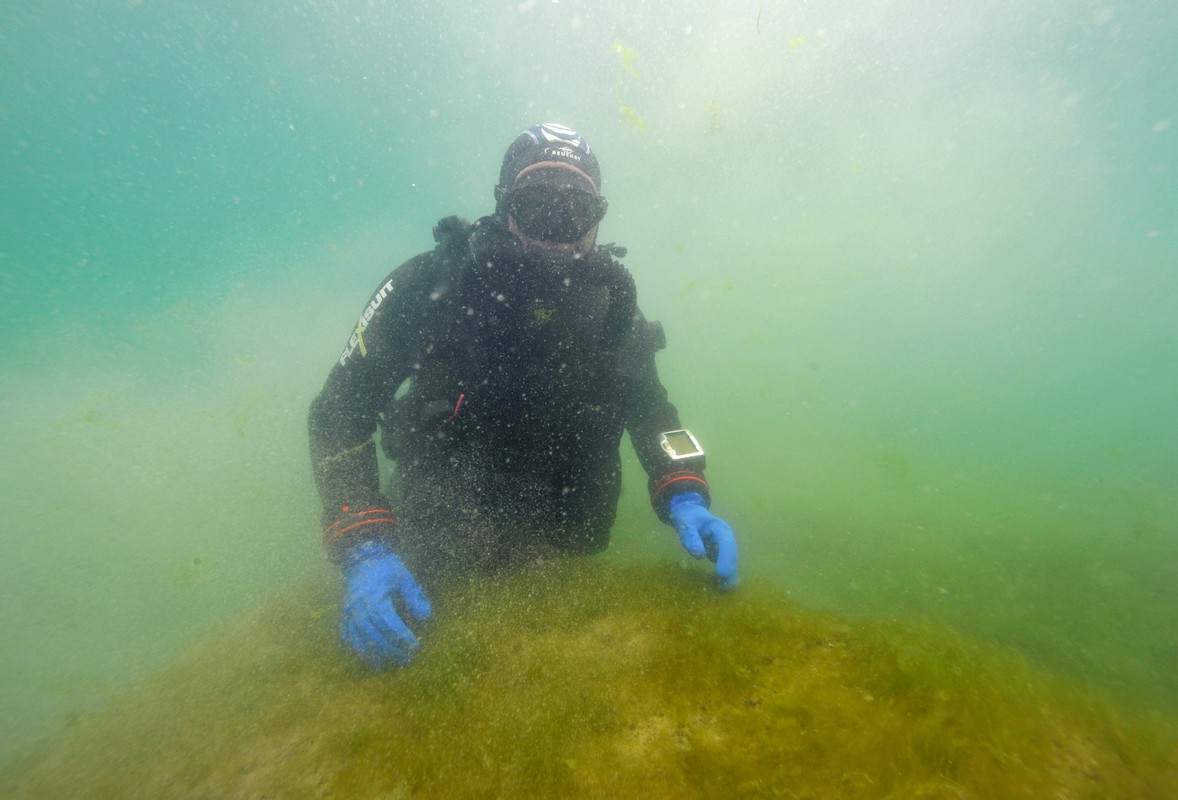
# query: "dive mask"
559,215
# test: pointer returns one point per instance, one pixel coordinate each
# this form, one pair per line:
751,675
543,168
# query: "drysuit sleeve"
386,340
649,413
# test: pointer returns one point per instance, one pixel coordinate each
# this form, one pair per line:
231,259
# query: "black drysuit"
502,383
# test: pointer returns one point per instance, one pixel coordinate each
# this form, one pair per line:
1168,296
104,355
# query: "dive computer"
680,445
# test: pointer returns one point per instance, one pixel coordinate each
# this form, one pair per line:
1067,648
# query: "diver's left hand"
702,533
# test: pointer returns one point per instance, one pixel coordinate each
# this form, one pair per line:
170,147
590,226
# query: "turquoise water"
917,265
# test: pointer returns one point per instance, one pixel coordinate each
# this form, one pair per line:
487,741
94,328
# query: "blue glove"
702,534
370,625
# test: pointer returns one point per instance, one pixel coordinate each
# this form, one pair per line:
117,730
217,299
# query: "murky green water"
917,263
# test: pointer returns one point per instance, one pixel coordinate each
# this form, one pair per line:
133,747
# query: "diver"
501,369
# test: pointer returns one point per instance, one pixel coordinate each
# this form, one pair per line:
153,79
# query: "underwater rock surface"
585,679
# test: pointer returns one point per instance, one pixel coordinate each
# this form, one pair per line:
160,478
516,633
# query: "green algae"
628,56
586,679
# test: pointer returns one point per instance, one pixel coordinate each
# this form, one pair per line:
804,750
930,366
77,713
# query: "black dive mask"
557,215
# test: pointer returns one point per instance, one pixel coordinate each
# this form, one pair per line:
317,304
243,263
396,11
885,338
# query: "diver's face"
555,206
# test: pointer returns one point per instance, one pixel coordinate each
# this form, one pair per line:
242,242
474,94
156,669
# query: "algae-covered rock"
583,679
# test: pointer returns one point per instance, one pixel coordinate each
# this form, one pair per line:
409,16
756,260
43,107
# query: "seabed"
586,679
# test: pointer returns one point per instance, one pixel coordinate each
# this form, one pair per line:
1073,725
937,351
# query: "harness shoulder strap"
623,296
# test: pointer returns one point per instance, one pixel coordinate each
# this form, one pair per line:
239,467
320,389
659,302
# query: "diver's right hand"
369,623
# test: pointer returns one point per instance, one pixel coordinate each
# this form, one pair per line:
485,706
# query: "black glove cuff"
669,484
353,526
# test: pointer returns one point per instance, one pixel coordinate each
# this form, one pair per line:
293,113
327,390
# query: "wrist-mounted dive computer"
682,447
